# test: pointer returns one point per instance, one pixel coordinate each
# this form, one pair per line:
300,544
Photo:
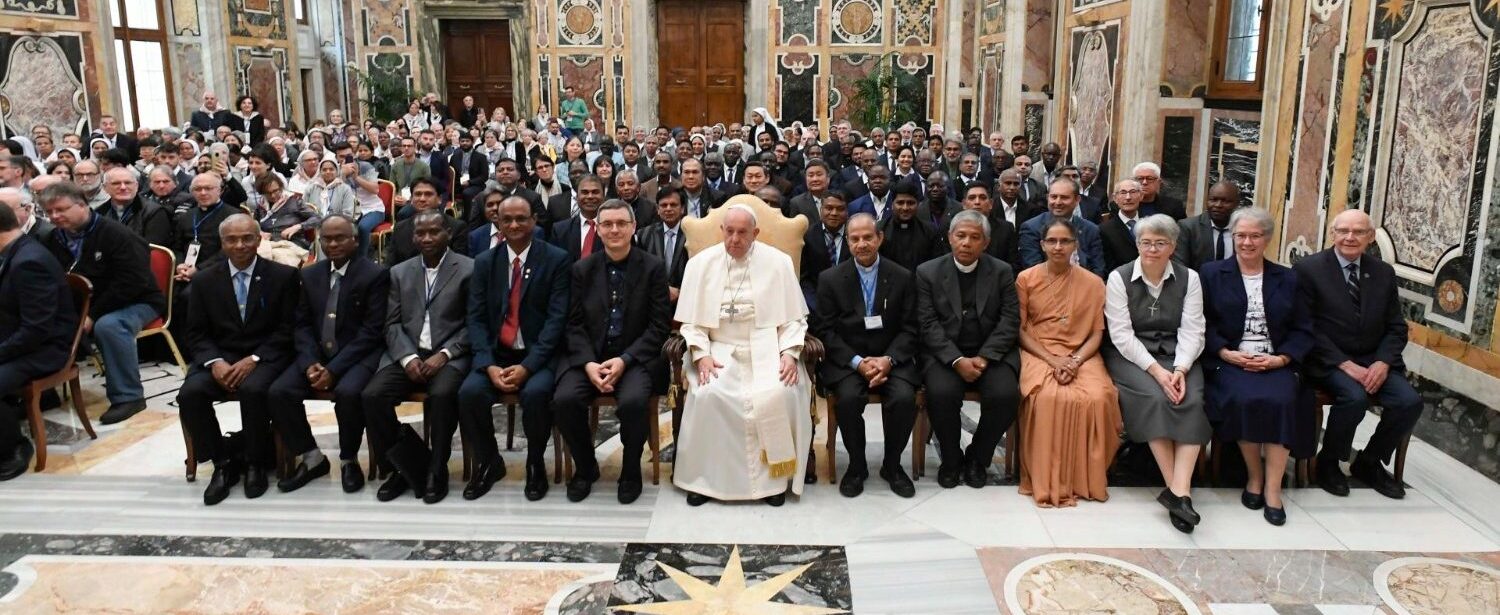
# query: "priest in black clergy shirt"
867,320
619,316
907,239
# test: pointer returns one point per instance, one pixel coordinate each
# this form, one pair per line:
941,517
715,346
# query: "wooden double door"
701,61
477,61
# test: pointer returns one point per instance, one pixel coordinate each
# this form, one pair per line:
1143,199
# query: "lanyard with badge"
191,258
75,245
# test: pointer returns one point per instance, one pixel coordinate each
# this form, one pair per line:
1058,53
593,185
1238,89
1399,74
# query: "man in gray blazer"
1196,244
427,350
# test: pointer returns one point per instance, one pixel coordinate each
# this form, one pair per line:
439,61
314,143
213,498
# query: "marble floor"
112,526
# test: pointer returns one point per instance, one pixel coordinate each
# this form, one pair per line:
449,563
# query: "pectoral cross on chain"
1152,308
732,310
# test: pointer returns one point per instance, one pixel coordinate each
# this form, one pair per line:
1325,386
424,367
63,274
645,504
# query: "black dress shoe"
1373,473
485,476
255,482
977,475
18,460
949,476
775,500
1182,526
437,484
580,487
900,483
1331,478
392,488
122,411
1180,507
853,483
300,477
226,476
1252,501
696,499
810,475
628,490
352,476
1275,516
536,481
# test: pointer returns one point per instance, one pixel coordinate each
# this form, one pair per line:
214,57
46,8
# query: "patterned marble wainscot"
1234,147
1459,426
824,584
42,82
1177,157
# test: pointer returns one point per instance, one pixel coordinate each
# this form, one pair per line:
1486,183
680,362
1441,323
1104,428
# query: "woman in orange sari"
1070,412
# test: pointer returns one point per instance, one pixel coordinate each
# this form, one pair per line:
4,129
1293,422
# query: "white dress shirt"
1190,333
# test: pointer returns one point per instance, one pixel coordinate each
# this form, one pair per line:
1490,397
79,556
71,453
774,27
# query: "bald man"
1358,335
196,240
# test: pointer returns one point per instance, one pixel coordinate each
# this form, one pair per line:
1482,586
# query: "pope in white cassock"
746,412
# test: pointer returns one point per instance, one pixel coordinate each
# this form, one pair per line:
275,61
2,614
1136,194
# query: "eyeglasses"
1154,245
1249,236
1125,192
84,174
1350,232
1146,179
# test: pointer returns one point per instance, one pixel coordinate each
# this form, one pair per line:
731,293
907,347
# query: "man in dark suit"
469,167
1003,240
824,245
437,161
518,309
339,318
938,204
628,188
1358,335
1206,236
1032,191
1008,201
196,241
969,172
125,298
507,181
1089,208
905,237
210,116
877,201
1148,175
700,198
619,317
1117,234
425,196
37,321
144,218
426,350
665,239
579,235
970,323
854,179
1062,202
713,171
109,130
867,320
816,176
240,330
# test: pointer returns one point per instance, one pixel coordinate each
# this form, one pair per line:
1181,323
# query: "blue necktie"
867,284
241,291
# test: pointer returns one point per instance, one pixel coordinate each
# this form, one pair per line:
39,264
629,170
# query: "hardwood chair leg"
38,428
653,435
557,456
510,427
1400,473
77,392
1012,451
832,436
919,443
375,457
192,460
176,354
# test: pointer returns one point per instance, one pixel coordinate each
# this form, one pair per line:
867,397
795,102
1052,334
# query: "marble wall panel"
1185,48
386,23
257,18
1036,75
844,69
585,72
42,81
990,87
914,22
797,76
185,18
188,77
1437,104
580,23
1234,150
1322,55
797,21
1177,156
265,75
333,97
541,10
1036,121
1092,93
857,22
992,19
48,8
923,67
966,46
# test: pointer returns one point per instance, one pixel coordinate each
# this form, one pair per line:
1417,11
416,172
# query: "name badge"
406,194
191,259
873,322
464,179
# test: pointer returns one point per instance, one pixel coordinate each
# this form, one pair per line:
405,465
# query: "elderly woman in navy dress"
1258,334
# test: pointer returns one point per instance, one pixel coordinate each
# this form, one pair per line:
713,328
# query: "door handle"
463,87
679,81
721,80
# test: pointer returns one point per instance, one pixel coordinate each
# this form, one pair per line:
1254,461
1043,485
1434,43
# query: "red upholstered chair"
388,199
162,260
32,395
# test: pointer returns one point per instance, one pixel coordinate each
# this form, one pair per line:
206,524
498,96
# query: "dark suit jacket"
37,316
479,170
1372,331
866,204
116,262
401,245
1090,246
840,320
815,259
651,240
568,235
1119,244
474,213
408,309
256,127
1225,302
202,226
437,162
940,312
215,329
708,199
648,312
144,218
1004,241
851,182
559,210
207,123
358,329
545,286
802,204
479,239
1032,189
1024,210
1165,205
726,189
1195,242
911,243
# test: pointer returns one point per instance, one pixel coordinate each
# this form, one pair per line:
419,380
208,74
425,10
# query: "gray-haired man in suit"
427,349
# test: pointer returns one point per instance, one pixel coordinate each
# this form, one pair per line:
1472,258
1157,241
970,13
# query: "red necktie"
588,238
512,325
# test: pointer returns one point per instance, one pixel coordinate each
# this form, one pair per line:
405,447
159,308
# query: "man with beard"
907,239
468,166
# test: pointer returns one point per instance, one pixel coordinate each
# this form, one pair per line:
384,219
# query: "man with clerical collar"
970,321
744,323
426,350
867,321
197,238
619,317
147,220
906,239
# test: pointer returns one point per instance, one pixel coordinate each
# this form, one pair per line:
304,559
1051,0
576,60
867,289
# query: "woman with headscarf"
29,151
97,147
761,121
304,173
